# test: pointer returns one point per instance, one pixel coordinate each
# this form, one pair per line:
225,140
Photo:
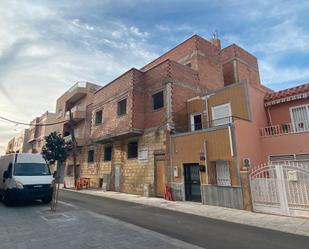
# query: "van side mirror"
7,175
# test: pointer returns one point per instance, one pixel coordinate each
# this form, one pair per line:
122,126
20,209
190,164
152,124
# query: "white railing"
282,129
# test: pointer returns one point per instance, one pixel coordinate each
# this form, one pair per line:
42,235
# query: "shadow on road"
25,203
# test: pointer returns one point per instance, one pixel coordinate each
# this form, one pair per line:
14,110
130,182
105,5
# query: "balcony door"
300,118
196,121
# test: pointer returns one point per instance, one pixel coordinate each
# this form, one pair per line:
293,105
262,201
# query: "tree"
56,149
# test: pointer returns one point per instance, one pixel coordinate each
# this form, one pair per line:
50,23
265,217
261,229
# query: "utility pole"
74,146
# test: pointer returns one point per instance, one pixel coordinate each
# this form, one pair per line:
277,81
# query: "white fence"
281,188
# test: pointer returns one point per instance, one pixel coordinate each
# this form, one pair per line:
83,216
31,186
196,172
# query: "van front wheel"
6,199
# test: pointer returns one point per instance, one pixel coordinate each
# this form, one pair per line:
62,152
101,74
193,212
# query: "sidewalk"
294,225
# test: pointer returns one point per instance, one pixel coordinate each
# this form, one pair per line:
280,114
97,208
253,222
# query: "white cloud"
43,51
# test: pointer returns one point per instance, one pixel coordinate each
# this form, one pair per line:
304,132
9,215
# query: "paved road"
204,232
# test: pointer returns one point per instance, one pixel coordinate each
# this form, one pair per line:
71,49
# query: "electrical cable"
22,123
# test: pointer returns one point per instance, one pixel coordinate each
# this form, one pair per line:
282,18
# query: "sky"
46,46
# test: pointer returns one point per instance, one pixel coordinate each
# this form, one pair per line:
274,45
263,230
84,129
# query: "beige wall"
187,148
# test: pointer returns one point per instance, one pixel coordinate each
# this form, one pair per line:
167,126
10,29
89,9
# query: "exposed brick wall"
246,66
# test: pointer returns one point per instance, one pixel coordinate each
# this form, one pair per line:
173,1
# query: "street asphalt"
200,231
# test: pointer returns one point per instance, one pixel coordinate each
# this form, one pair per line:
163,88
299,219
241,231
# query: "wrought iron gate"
281,188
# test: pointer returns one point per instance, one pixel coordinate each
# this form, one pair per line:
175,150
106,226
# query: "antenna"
215,35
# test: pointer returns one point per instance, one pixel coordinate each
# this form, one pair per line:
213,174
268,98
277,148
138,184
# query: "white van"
25,176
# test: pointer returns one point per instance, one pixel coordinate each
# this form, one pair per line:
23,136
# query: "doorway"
192,182
160,178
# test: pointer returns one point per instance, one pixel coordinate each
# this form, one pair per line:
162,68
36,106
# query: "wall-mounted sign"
292,176
143,154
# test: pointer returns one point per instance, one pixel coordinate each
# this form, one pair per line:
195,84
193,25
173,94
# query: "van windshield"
31,169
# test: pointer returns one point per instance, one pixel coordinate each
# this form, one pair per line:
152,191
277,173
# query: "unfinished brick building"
134,115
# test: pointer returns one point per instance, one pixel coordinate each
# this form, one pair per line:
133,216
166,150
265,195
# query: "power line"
22,123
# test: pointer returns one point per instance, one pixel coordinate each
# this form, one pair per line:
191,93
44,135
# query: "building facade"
40,129
134,115
74,110
19,144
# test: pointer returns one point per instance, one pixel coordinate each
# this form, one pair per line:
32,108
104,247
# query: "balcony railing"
206,125
79,140
282,129
78,113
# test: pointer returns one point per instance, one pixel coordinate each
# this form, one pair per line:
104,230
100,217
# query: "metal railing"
282,129
206,125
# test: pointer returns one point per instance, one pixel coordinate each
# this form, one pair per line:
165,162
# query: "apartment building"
74,109
134,115
38,131
19,143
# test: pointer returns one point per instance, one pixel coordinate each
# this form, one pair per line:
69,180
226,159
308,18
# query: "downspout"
269,116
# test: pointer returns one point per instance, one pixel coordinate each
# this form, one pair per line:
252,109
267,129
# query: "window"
90,156
196,122
122,107
107,153
300,118
223,173
157,100
98,117
221,114
132,149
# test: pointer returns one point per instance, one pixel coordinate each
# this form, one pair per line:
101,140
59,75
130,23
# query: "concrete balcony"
78,114
112,135
79,140
76,92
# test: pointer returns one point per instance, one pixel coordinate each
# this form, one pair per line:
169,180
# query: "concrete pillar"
246,192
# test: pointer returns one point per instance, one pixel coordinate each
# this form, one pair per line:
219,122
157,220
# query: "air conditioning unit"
247,162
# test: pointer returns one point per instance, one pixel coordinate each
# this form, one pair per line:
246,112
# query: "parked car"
25,176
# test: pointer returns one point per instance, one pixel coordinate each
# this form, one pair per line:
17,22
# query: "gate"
280,188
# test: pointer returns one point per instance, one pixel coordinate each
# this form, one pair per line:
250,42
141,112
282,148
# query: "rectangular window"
221,114
223,173
122,107
90,156
196,122
107,153
98,117
300,118
133,149
158,100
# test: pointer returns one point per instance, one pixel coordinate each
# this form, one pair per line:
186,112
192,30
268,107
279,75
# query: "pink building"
286,138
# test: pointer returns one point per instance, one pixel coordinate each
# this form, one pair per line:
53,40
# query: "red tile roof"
287,92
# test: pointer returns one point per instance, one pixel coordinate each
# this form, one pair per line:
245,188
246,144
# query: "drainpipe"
269,116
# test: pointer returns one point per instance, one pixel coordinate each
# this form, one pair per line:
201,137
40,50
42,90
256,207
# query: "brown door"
160,178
